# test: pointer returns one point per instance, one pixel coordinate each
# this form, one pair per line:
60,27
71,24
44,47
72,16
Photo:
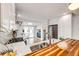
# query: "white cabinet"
0,16
7,16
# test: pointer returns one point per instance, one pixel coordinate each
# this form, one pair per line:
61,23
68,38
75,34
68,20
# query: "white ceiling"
40,11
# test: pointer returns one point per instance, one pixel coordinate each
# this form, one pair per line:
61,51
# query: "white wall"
64,25
76,26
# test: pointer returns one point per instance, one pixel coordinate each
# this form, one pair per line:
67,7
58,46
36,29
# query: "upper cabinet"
7,16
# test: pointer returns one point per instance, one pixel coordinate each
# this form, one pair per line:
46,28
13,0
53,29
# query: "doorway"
30,33
53,31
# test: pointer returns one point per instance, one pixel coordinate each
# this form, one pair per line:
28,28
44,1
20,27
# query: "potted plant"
61,38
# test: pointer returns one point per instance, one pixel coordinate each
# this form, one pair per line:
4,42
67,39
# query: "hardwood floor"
54,50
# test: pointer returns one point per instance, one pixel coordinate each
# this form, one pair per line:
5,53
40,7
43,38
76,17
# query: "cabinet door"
7,16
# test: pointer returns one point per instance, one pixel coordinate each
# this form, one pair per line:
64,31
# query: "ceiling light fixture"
73,6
